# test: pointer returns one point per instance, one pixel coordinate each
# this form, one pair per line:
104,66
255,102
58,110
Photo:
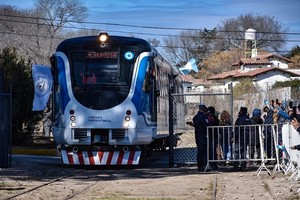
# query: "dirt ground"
30,180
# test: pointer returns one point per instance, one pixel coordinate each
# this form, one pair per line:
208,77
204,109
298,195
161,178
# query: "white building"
262,61
264,70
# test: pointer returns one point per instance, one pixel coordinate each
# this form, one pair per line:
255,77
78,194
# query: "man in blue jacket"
200,122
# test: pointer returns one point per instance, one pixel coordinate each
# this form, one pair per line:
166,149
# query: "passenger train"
110,99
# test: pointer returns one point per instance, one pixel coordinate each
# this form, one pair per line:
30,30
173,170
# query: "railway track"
36,178
47,181
35,188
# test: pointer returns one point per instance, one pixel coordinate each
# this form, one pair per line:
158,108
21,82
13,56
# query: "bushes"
243,87
17,73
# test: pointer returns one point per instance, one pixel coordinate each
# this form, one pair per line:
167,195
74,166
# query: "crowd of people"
274,113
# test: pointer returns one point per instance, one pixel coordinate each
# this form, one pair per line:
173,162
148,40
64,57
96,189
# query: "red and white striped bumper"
101,157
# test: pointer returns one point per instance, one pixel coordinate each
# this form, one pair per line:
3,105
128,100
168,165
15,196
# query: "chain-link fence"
185,107
5,129
263,98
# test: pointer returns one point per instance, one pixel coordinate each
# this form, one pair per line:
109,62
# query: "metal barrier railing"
241,145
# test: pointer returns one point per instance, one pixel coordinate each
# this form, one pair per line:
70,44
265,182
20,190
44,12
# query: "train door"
154,92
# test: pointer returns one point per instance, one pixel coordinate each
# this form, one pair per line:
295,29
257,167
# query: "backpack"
210,118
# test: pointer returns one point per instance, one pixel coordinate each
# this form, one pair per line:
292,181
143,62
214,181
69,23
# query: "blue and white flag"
42,80
189,66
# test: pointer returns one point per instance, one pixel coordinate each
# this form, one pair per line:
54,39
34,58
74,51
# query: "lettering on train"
102,55
98,119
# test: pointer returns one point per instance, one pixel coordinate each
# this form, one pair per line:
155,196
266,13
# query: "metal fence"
260,152
5,129
184,108
227,145
244,144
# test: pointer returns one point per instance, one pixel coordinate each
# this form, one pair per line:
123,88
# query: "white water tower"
250,43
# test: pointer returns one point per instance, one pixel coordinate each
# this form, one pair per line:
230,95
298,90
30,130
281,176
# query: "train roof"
92,41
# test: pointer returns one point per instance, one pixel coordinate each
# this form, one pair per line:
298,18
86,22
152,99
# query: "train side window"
147,80
158,80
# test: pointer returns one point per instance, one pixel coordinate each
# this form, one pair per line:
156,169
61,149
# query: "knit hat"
243,110
202,107
256,112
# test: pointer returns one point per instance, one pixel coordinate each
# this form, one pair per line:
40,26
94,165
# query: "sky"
196,14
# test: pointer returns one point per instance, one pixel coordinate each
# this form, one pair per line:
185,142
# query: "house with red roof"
263,60
264,70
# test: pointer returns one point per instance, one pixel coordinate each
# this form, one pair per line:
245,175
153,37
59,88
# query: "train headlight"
73,124
104,39
72,118
127,118
126,123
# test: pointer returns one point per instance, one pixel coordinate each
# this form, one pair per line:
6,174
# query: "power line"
127,32
160,46
139,33
216,38
144,27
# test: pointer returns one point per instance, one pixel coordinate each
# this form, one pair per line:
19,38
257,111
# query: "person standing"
242,137
254,134
265,112
226,132
200,123
214,138
268,133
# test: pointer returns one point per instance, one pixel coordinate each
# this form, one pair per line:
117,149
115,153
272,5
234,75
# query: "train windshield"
104,76
100,69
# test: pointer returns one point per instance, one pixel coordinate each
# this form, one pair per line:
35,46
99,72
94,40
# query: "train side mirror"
157,93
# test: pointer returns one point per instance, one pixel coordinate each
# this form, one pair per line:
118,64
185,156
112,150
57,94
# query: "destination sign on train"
102,54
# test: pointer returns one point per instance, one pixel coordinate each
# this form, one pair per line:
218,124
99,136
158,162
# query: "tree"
18,73
294,55
245,86
14,26
189,44
270,33
204,45
218,62
293,52
36,32
55,14
82,32
295,61
154,42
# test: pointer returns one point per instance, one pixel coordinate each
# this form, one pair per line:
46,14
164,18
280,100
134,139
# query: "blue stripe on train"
139,83
64,97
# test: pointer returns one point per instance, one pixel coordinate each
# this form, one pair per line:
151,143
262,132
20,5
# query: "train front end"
102,114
